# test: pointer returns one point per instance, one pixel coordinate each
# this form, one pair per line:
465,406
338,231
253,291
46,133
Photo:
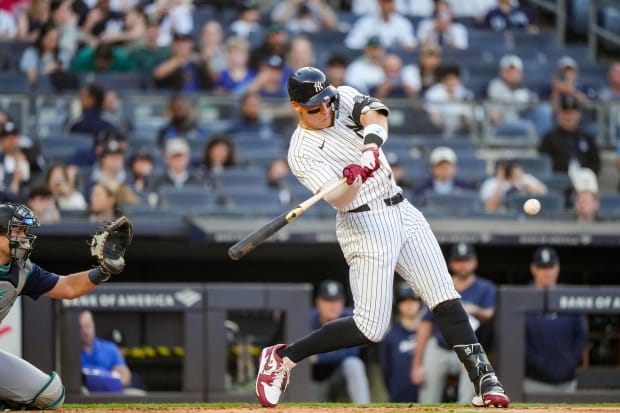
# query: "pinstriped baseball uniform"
381,240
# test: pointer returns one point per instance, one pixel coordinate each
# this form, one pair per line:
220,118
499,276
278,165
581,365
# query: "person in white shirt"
442,29
366,72
447,102
394,29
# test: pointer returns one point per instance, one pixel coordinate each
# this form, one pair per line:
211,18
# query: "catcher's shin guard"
488,390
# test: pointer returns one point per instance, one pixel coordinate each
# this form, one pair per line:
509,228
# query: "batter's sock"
340,333
453,323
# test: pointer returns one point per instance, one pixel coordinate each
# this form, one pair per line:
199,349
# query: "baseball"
531,206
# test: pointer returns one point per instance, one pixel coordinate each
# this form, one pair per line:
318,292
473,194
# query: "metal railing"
558,8
595,31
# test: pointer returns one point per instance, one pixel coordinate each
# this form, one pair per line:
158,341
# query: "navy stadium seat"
185,198
458,204
552,204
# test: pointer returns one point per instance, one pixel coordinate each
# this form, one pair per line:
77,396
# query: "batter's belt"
396,199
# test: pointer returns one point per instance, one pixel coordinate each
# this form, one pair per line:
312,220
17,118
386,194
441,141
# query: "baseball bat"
254,239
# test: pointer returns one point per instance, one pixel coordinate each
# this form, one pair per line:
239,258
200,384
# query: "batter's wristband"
96,276
374,133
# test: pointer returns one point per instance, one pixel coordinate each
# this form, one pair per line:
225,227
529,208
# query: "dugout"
196,342
597,385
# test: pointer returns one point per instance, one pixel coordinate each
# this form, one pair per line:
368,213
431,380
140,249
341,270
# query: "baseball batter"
340,133
22,385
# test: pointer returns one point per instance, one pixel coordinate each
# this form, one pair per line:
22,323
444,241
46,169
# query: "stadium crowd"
161,105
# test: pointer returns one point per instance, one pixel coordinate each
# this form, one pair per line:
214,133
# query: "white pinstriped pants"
378,242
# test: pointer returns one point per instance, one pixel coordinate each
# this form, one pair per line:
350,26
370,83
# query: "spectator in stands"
140,179
566,82
441,28
250,120
447,102
105,57
511,98
65,20
110,166
248,25
396,349
44,56
91,120
236,76
567,144
99,354
176,18
443,180
177,173
8,25
510,15
366,72
434,360
587,203
113,113
308,16
422,8
100,19
181,122
335,69
393,29
183,70
62,184
145,55
333,371
554,342
13,161
426,72
271,79
510,178
104,205
611,92
212,49
395,84
130,33
219,153
30,22
275,42
30,147
41,202
301,53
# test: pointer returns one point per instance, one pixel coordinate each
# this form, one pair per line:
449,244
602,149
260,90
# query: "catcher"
22,385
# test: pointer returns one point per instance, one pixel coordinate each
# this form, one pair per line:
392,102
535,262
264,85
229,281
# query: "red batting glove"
352,171
370,158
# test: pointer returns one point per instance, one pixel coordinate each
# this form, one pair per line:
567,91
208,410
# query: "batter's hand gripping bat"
253,240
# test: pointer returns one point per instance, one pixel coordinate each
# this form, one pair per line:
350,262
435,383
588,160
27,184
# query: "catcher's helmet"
308,86
13,217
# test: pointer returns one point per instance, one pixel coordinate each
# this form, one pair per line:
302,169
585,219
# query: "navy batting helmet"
308,86
18,216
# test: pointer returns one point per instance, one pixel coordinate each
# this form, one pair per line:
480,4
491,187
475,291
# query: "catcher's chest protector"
11,285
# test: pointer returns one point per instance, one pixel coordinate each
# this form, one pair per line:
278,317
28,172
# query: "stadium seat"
62,148
557,182
185,198
610,206
539,166
471,169
235,178
552,204
120,82
461,204
265,203
14,82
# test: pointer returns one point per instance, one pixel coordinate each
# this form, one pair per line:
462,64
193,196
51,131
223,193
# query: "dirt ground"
345,409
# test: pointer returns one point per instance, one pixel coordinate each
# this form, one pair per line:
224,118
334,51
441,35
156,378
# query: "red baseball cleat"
273,376
489,392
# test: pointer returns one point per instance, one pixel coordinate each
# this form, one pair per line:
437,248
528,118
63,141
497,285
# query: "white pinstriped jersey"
317,156
379,241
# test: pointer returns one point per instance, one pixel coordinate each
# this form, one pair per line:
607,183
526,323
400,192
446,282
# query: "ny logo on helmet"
318,86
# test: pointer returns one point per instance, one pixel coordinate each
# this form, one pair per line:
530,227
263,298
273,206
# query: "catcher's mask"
16,222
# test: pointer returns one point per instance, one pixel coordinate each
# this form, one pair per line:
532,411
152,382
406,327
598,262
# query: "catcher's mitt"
108,245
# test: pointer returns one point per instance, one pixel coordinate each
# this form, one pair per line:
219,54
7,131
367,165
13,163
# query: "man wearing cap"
366,71
177,159
275,42
340,368
567,144
270,81
511,98
393,29
398,346
442,29
15,166
434,360
554,341
587,203
305,16
443,180
566,82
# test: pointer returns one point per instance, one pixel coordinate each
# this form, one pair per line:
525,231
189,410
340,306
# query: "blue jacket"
396,352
